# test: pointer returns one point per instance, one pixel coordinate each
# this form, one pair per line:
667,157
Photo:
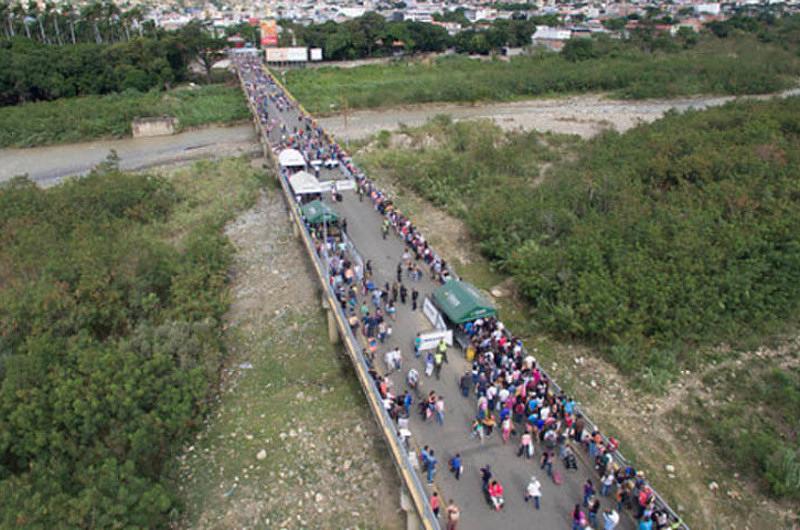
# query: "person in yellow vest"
439,358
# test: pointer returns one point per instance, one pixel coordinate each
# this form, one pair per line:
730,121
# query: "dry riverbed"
585,115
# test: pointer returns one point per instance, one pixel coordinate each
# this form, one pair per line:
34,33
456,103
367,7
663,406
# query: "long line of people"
511,389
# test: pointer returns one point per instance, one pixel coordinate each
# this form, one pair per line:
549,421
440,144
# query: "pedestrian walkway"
289,128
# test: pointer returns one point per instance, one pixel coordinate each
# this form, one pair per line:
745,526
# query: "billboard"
316,54
269,33
297,55
287,55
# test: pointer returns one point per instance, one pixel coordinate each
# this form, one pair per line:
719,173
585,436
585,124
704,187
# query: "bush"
110,345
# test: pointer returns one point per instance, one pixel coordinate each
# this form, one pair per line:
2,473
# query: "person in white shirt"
534,491
610,519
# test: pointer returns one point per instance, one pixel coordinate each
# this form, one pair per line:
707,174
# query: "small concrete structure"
164,126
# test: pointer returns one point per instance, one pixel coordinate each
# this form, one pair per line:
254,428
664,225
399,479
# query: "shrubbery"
650,245
110,343
732,66
674,234
86,118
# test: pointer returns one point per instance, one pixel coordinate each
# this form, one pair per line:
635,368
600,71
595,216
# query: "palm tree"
69,12
90,14
5,14
22,15
110,13
33,12
51,11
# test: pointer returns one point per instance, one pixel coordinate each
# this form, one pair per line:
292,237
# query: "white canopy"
304,182
291,158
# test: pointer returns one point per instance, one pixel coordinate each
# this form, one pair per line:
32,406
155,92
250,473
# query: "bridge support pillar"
412,519
333,331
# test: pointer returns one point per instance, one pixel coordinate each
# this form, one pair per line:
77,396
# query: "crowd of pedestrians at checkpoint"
513,395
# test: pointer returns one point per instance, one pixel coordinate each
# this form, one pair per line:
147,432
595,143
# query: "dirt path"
291,443
585,115
48,165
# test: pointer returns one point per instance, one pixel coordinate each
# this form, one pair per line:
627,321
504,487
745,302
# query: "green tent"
462,302
317,212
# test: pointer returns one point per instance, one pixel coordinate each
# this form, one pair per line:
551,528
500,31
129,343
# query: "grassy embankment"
529,227
289,393
715,66
91,117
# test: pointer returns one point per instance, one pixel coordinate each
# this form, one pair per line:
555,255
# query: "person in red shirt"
496,494
436,504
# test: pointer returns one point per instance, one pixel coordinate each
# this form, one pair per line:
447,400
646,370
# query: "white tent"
304,182
291,158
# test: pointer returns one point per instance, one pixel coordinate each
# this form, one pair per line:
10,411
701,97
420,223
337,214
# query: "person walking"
496,494
610,519
400,273
417,345
435,504
453,515
579,520
403,294
547,463
606,482
588,492
594,507
534,491
439,358
439,409
477,430
456,467
525,445
431,466
505,428
414,297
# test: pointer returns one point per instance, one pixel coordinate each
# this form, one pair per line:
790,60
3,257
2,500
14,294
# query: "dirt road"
48,165
584,115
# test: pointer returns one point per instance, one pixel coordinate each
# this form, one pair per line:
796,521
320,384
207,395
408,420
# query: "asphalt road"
513,472
48,165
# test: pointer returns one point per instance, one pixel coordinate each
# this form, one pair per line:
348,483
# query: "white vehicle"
331,163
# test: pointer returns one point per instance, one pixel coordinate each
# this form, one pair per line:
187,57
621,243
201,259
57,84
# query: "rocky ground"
290,443
585,115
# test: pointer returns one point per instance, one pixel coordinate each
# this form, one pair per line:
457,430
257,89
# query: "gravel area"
585,115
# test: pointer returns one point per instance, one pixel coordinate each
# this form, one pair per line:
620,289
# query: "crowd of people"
513,394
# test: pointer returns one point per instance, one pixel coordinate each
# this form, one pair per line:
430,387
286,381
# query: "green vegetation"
740,66
752,420
113,289
32,71
86,118
673,235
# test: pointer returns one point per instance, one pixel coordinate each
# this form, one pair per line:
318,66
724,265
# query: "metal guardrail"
401,457
618,457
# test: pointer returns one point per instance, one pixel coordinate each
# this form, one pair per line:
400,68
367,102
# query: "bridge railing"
402,458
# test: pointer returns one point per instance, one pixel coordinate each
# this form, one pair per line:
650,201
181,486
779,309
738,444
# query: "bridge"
282,124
